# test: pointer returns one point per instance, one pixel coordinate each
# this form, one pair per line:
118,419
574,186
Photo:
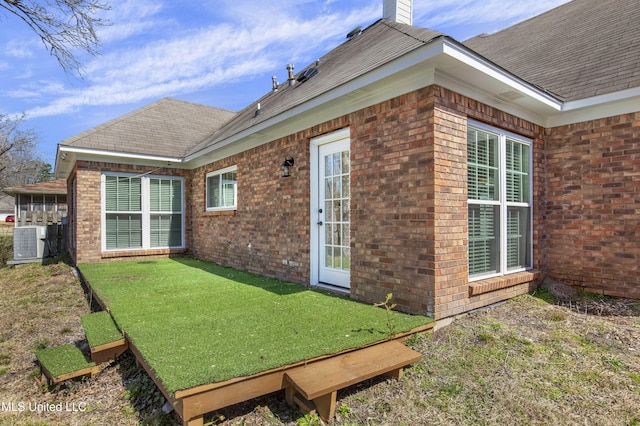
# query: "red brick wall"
271,224
593,205
450,254
392,198
88,216
270,230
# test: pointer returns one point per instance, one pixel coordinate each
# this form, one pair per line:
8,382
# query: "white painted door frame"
340,136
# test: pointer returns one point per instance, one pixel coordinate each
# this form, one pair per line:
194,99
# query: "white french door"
332,215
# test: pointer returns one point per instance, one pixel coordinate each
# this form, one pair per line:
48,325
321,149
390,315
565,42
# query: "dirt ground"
554,357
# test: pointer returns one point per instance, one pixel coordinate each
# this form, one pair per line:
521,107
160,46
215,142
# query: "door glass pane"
328,188
337,235
329,234
336,213
337,257
337,164
329,257
346,258
345,186
345,212
328,163
346,235
337,187
328,211
346,165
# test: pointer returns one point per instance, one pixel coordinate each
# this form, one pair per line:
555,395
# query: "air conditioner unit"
29,242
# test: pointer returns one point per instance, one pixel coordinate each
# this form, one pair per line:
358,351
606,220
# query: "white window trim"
145,212
503,135
206,185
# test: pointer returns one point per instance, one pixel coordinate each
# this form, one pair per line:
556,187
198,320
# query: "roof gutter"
64,149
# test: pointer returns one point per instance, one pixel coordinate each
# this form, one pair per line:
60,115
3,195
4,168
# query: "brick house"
454,175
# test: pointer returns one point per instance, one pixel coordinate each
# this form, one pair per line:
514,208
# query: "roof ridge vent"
354,33
290,78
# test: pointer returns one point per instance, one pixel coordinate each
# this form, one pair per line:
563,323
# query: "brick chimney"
398,10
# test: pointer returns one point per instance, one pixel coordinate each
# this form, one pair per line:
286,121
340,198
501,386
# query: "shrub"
6,250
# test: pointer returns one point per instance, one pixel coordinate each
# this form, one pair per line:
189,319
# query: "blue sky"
217,52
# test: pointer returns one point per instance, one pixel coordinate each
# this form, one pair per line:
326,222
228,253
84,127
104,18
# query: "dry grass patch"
524,362
40,307
527,361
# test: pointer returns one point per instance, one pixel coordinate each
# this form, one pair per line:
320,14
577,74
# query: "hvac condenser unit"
29,242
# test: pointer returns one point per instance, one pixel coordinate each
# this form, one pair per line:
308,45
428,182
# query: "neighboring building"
39,203
451,175
6,206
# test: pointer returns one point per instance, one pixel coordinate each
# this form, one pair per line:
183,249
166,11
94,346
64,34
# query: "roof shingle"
578,50
378,44
58,187
168,127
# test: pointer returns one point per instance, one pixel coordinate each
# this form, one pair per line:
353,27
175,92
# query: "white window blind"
123,205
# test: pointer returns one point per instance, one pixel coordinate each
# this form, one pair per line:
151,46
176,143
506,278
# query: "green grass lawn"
100,329
63,359
196,323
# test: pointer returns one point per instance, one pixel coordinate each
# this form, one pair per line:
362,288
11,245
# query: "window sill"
142,252
505,281
216,213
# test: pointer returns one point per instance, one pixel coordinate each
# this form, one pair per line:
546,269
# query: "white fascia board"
608,105
468,57
597,100
93,153
596,108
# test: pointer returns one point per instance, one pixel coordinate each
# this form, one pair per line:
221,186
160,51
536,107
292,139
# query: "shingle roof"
580,49
168,127
51,187
378,44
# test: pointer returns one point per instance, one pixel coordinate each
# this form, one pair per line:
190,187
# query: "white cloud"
18,50
445,13
149,53
128,18
202,58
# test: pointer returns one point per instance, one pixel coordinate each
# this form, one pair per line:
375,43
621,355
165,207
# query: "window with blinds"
499,200
142,212
123,212
165,196
222,189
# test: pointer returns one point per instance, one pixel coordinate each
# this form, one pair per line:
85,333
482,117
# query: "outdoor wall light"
286,167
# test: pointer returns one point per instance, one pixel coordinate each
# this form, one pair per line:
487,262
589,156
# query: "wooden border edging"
193,403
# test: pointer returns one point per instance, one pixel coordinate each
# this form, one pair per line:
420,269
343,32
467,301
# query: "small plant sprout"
388,307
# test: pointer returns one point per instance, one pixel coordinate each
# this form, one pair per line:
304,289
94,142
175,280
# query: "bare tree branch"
62,25
19,163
